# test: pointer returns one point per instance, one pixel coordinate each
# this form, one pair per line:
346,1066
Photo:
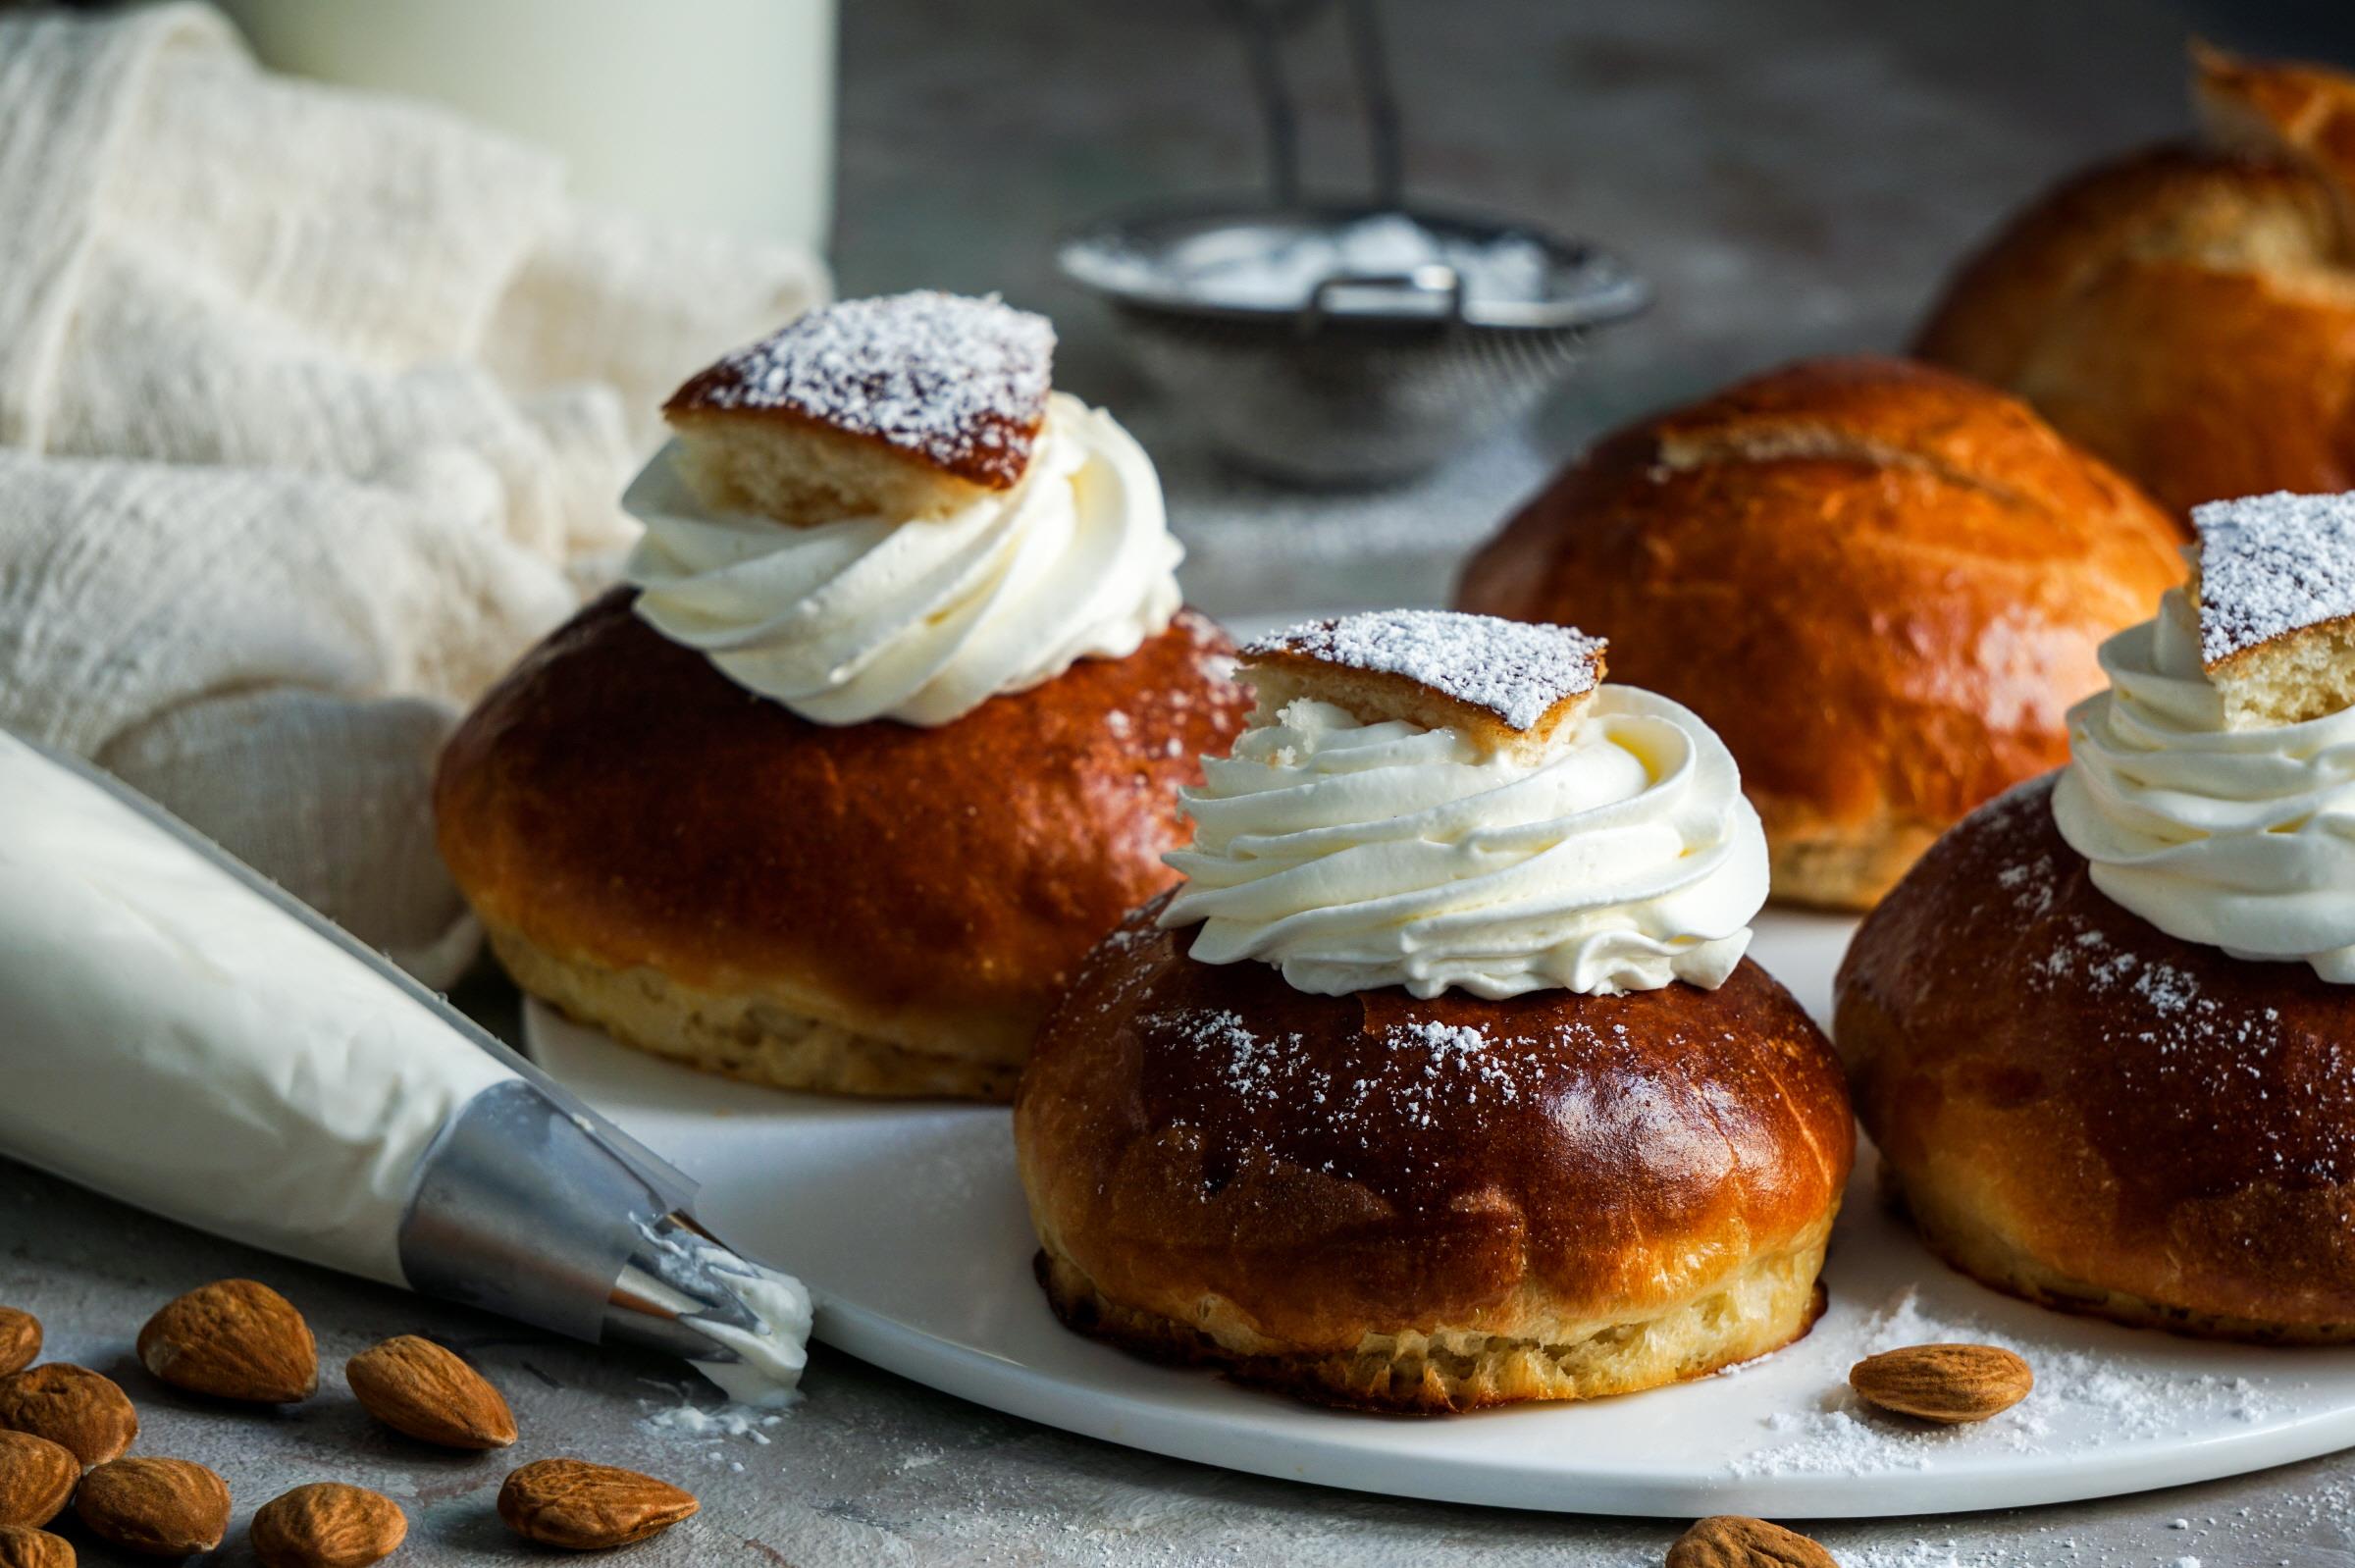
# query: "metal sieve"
1374,376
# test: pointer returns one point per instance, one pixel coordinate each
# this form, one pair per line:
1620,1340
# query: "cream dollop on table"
920,620
1359,855
2239,839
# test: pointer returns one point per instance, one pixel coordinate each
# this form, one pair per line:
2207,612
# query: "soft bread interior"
1372,697
2290,679
1280,676
802,473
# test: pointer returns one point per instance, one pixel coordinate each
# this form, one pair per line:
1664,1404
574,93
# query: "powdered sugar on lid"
2171,1046
2176,1044
1427,1076
961,383
1517,670
2270,565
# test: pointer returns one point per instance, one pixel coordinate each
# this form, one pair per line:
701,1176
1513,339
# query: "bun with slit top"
2187,311
1882,583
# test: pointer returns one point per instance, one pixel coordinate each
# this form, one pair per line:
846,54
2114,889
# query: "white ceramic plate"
908,1223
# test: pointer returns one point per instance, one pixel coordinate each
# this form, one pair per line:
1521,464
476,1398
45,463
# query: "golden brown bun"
2084,1111
1353,1200
874,907
2188,312
1883,585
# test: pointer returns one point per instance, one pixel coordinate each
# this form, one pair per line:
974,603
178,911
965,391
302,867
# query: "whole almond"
327,1525
159,1507
22,1546
69,1405
36,1477
1949,1384
1730,1540
232,1339
415,1387
20,1340
585,1507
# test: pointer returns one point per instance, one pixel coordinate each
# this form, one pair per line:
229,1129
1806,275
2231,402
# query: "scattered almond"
1730,1540
20,1340
36,1477
415,1387
232,1339
585,1507
1948,1383
327,1525
69,1405
22,1546
159,1507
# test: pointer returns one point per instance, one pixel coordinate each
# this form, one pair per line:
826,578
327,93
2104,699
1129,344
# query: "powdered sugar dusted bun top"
883,512
959,383
2276,601
2209,786
1435,800
1504,685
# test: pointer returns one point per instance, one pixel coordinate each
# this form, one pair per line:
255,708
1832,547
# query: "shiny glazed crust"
667,852
2081,1110
1329,1197
2188,311
1881,584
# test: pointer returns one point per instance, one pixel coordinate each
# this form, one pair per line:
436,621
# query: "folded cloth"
315,406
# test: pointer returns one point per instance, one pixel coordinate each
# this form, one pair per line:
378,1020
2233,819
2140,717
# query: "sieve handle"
1433,280
1265,25
1377,99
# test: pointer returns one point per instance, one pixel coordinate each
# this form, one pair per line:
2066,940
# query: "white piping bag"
178,1033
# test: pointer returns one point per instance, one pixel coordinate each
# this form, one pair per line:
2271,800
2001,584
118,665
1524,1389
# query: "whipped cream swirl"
920,620
1360,855
2238,839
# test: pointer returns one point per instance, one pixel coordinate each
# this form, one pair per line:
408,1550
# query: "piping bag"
178,1033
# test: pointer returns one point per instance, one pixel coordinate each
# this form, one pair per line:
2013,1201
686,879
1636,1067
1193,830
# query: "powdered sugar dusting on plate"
961,383
1840,1434
1517,670
2270,565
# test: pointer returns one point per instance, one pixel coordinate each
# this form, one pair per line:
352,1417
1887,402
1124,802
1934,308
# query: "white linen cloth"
315,408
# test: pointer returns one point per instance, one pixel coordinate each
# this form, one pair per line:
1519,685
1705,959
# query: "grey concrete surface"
878,1470
1793,174
870,1469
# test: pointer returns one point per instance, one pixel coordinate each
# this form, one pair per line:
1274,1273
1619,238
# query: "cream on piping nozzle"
181,1034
